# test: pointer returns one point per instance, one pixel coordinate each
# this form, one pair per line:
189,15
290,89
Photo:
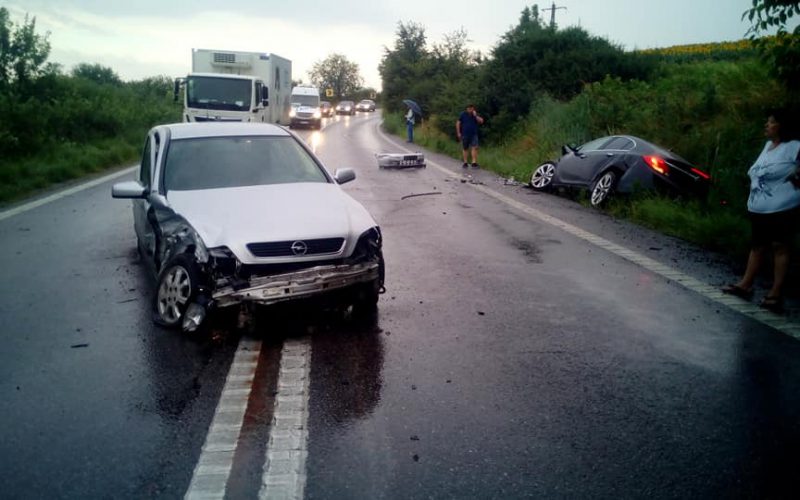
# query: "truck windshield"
224,162
207,92
306,100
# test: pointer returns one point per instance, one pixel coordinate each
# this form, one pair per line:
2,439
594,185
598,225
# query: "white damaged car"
235,213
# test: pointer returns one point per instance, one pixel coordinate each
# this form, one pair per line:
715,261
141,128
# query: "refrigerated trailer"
236,86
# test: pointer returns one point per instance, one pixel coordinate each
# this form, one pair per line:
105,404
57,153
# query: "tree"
96,73
783,51
23,52
338,73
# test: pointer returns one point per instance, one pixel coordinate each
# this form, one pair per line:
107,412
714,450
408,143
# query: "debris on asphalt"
127,300
413,387
420,194
481,313
415,438
78,346
510,181
415,457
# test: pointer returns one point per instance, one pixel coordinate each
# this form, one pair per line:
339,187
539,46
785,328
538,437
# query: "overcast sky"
140,38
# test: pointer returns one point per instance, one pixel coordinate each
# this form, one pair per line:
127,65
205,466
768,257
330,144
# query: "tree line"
534,60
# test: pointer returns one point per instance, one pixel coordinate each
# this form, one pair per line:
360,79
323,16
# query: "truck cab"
236,86
215,97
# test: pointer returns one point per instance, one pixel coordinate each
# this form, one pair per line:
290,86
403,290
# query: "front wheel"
543,176
603,188
178,284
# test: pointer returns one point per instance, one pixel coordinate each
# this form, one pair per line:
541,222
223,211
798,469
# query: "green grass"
22,177
716,227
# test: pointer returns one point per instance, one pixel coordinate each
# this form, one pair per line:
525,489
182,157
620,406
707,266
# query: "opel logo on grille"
299,248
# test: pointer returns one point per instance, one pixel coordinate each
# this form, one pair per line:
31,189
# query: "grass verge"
721,229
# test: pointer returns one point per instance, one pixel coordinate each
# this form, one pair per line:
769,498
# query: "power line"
553,10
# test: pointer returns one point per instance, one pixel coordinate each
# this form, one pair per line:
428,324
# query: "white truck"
305,108
236,86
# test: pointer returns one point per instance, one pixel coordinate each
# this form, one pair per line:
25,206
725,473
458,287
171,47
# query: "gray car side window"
146,167
592,145
619,144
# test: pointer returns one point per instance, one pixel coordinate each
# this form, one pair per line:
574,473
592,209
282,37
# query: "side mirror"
344,175
566,149
265,96
128,190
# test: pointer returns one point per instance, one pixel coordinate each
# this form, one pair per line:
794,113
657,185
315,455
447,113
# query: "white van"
305,108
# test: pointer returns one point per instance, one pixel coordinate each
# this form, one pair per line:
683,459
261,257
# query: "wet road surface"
509,358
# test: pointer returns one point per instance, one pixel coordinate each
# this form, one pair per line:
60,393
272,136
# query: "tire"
603,188
178,284
542,176
366,299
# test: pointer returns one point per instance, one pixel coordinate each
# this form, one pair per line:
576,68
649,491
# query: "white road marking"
712,293
285,465
61,194
216,459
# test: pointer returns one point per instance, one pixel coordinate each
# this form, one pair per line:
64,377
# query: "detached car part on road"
229,214
621,164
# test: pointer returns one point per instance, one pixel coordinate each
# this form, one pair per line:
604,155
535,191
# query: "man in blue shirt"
467,133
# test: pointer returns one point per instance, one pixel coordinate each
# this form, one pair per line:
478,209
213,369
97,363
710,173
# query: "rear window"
223,162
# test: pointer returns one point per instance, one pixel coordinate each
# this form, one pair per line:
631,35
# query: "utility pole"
553,10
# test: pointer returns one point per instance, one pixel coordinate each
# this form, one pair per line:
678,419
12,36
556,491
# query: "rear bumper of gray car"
297,285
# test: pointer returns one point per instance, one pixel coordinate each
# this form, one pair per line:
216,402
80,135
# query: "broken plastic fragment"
194,315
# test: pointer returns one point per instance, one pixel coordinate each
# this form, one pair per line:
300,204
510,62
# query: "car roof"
220,129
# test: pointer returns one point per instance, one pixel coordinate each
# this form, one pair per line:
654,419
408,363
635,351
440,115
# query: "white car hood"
234,217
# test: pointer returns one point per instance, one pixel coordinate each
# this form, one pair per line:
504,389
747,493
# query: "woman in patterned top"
773,207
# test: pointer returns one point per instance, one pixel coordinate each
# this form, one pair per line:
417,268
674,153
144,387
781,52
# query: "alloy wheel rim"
543,175
601,189
174,292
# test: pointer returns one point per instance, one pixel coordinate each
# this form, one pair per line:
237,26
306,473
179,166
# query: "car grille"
284,248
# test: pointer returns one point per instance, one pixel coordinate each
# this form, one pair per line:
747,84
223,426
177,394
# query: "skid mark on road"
216,459
712,293
285,466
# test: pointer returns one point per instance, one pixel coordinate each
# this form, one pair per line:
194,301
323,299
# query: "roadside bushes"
74,125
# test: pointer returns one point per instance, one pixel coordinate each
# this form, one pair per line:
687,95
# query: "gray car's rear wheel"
177,287
603,188
543,176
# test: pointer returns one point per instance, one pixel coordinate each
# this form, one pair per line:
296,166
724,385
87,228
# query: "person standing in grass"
467,133
773,207
410,125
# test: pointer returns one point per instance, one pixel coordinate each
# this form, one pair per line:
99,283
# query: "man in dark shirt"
467,132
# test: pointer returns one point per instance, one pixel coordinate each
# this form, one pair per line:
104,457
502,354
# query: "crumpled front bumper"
296,285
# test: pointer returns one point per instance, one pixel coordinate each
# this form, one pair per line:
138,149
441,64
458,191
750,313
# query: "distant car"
326,109
236,213
622,164
346,108
365,105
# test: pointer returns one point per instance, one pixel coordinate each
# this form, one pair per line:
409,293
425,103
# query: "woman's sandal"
774,304
737,291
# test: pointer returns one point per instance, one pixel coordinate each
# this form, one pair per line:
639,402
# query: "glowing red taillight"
701,173
656,163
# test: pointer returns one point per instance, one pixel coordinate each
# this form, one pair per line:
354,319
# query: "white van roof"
305,91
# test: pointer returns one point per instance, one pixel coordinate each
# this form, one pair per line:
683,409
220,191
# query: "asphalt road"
509,358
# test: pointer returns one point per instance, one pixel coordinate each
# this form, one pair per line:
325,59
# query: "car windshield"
305,100
232,94
223,162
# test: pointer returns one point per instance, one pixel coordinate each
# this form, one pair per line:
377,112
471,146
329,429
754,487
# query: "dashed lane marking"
285,465
710,292
213,468
61,194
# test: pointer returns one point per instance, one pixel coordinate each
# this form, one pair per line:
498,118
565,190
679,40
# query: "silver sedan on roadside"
229,214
